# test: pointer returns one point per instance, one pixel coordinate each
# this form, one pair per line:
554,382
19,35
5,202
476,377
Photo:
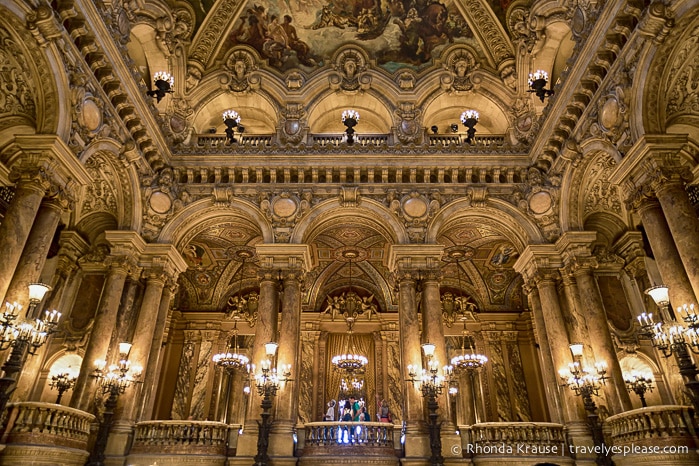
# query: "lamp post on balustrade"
673,338
24,337
267,382
62,382
113,381
586,382
639,383
432,385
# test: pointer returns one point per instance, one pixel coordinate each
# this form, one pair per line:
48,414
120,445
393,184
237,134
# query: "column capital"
575,244
162,259
414,257
51,154
654,149
537,261
285,256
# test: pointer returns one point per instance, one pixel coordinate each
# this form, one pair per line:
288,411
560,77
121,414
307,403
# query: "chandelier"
350,306
232,361
456,306
243,307
469,359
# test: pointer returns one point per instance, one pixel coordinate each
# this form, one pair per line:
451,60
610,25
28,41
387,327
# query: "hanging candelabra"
243,307
456,306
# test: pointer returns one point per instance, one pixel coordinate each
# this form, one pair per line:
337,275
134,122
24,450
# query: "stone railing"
50,424
657,434
180,437
349,434
514,439
652,424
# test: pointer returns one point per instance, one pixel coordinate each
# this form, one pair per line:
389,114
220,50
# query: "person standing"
330,413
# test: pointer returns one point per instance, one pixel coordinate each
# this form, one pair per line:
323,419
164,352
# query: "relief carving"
408,127
240,66
284,211
293,124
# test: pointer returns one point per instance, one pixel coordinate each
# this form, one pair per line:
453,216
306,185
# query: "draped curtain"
339,343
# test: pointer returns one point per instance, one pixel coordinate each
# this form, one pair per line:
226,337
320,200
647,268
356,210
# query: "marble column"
289,343
411,351
29,271
265,331
143,336
288,354
433,332
30,186
556,332
152,369
36,249
40,164
683,222
548,370
601,339
102,328
663,246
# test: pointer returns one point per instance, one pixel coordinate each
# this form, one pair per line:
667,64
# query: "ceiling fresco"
306,34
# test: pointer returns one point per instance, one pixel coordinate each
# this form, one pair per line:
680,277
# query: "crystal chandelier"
469,359
350,305
232,361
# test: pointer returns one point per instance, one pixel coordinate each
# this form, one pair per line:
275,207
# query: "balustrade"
57,433
517,439
654,435
186,437
365,434
652,424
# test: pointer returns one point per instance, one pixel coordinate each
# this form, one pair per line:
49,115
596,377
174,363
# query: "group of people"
355,410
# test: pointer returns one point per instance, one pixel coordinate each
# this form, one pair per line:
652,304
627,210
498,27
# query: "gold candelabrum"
672,337
24,335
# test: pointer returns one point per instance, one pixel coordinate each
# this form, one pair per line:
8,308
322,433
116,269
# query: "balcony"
329,443
655,435
521,443
180,442
56,434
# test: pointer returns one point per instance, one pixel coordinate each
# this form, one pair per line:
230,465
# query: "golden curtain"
339,343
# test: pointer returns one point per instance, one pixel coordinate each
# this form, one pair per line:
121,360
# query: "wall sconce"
163,85
350,118
470,118
537,83
232,121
